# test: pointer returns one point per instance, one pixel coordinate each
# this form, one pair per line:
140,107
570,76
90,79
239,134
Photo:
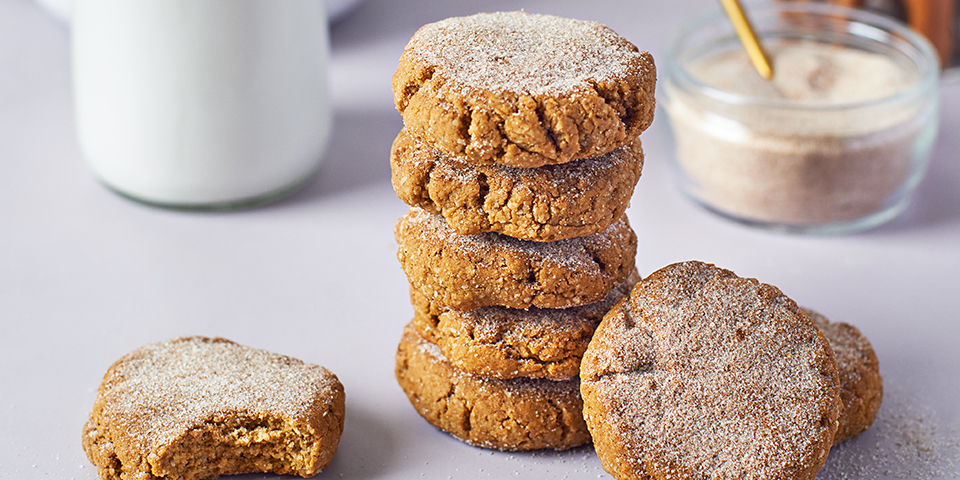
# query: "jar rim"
857,22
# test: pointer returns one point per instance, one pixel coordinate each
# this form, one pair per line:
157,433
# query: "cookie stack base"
512,415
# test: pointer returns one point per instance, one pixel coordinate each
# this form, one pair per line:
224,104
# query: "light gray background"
86,276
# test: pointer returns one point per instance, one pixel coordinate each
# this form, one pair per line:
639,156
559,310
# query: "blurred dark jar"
938,20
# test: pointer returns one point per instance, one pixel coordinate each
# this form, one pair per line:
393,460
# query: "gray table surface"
86,276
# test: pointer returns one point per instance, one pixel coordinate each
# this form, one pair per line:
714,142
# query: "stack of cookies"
518,157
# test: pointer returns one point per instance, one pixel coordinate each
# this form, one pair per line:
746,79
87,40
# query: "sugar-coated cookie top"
708,372
163,389
521,52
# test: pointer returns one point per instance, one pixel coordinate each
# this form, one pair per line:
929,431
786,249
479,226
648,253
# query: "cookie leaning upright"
196,407
523,90
700,373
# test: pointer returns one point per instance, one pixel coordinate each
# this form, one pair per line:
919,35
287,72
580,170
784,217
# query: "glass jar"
836,142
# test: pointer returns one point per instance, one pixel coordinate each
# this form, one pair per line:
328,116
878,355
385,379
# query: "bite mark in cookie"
196,408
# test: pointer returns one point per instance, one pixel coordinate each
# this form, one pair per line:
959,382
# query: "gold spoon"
748,37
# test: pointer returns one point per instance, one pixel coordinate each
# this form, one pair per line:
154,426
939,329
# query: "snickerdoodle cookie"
507,342
701,374
522,89
465,272
548,203
195,408
516,414
861,387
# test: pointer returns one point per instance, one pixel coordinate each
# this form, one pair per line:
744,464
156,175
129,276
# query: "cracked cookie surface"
516,414
701,374
504,342
464,272
861,387
522,89
552,202
195,408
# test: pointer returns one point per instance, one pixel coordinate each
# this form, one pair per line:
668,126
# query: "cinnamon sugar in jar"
835,142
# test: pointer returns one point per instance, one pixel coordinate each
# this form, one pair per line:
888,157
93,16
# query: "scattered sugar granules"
907,440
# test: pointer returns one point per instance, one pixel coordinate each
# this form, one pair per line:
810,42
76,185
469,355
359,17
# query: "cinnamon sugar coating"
552,202
465,272
861,387
501,342
700,374
516,414
195,408
523,90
